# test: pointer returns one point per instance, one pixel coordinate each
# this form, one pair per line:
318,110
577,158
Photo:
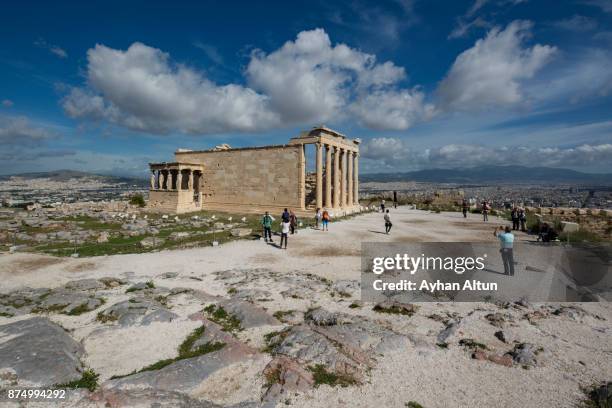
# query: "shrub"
322,376
137,199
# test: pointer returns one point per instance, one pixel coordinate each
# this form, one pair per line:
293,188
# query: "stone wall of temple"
262,177
172,201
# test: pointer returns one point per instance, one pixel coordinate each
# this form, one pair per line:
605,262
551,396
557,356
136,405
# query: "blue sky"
109,86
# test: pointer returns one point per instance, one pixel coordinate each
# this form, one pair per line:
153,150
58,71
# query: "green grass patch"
322,376
472,344
407,310
280,315
79,310
227,321
274,339
106,317
413,404
89,380
115,245
598,396
148,285
138,199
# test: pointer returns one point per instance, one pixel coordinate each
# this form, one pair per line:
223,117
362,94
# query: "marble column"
152,179
356,180
343,186
190,181
336,177
349,184
319,187
179,180
328,176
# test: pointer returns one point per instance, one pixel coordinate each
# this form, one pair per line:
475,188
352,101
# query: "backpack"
326,216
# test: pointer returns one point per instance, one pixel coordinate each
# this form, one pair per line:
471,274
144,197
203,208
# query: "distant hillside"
63,175
492,174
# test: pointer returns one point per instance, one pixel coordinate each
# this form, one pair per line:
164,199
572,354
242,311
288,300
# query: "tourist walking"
293,222
382,205
388,223
266,222
522,218
318,216
325,220
395,199
506,241
285,216
285,226
464,208
485,210
514,215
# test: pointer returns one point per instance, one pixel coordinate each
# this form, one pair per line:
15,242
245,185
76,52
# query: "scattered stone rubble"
72,225
297,350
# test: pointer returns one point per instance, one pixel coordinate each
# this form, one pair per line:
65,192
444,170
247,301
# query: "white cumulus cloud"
490,73
310,80
142,90
305,81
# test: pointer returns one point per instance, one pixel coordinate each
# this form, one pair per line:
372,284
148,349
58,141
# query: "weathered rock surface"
346,288
85,284
136,311
241,232
111,282
151,242
68,302
285,375
525,354
249,314
321,317
448,332
342,343
186,375
72,299
38,352
147,397
250,294
309,348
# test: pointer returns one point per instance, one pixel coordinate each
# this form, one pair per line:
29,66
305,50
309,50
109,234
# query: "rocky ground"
106,228
247,324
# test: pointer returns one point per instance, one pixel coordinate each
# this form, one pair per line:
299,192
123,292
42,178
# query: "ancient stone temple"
255,179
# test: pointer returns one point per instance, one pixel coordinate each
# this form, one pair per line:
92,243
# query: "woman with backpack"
325,219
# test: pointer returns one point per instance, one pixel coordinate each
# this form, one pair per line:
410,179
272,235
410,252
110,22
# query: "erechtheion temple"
254,179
